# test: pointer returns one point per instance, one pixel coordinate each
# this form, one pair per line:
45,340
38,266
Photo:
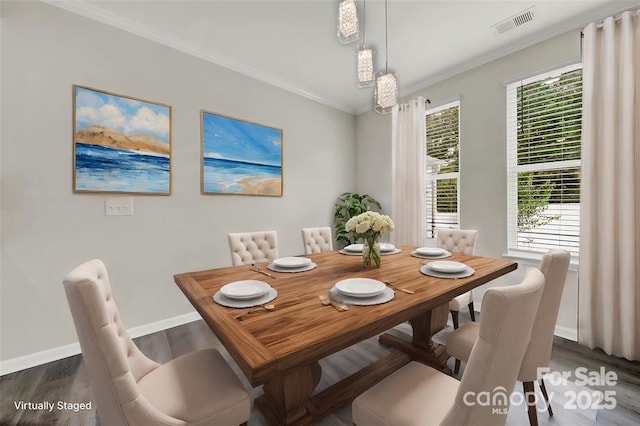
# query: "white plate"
384,247
246,289
245,303
386,295
354,247
421,256
430,272
382,253
447,266
430,251
292,262
360,287
276,268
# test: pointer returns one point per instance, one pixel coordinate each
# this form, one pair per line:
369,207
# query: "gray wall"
483,186
47,230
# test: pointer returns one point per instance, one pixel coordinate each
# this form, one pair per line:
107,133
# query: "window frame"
431,226
514,249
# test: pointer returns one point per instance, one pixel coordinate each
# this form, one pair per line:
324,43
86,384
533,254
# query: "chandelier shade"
385,89
385,92
365,67
348,25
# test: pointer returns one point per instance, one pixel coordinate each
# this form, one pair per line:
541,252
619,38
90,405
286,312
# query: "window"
443,172
544,124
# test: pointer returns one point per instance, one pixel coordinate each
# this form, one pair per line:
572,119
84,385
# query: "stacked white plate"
291,264
246,289
447,269
386,247
360,287
354,248
357,248
245,293
361,291
431,253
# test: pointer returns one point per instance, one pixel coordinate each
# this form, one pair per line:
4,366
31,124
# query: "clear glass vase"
371,253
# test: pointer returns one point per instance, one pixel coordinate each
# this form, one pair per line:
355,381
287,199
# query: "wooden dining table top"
301,329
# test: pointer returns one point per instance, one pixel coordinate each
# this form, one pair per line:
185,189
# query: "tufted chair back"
113,361
457,240
317,240
253,247
554,266
507,318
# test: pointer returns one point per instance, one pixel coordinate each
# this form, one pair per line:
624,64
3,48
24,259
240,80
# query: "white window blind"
544,124
443,172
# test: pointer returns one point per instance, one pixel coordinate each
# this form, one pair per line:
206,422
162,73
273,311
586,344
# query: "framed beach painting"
121,144
240,157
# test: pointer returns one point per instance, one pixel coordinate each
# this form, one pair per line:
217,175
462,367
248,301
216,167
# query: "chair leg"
530,397
454,317
546,397
472,312
456,368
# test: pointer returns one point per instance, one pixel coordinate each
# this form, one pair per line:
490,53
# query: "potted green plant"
349,205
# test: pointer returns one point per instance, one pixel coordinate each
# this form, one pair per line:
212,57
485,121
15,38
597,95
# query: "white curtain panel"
408,173
609,280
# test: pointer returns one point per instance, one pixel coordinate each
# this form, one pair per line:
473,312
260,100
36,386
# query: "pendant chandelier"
385,89
366,76
348,26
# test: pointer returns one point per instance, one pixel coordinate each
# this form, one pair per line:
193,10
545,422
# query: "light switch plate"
121,206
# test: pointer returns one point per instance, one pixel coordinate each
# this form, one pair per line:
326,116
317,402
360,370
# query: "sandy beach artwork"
239,157
121,144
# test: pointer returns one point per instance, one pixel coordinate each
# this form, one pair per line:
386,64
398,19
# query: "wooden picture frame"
121,144
240,157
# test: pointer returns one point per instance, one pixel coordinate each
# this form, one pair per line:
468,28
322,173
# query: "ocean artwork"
121,144
240,157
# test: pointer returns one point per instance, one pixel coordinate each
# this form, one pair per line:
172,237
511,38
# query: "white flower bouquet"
369,226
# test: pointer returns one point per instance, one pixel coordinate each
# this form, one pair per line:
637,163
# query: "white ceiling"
293,44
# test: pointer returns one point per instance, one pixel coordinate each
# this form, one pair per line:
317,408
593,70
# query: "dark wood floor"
66,381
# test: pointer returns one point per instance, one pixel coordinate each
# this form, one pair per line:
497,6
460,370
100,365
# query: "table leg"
285,398
422,348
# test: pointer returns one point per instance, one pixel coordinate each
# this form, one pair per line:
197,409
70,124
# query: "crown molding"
79,7
92,12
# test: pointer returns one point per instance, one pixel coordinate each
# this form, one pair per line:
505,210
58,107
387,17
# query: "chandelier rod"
386,39
364,23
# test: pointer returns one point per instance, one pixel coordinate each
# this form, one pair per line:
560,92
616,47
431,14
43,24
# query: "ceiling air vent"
515,21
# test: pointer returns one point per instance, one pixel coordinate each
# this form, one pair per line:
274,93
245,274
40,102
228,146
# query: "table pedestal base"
284,400
421,347
288,401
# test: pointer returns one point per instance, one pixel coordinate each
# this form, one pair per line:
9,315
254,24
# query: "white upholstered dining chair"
253,247
554,267
317,240
420,395
459,241
130,389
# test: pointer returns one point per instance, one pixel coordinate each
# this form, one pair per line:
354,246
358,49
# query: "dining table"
280,348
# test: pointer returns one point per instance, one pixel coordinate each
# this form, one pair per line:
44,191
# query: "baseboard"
38,358
165,324
566,333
